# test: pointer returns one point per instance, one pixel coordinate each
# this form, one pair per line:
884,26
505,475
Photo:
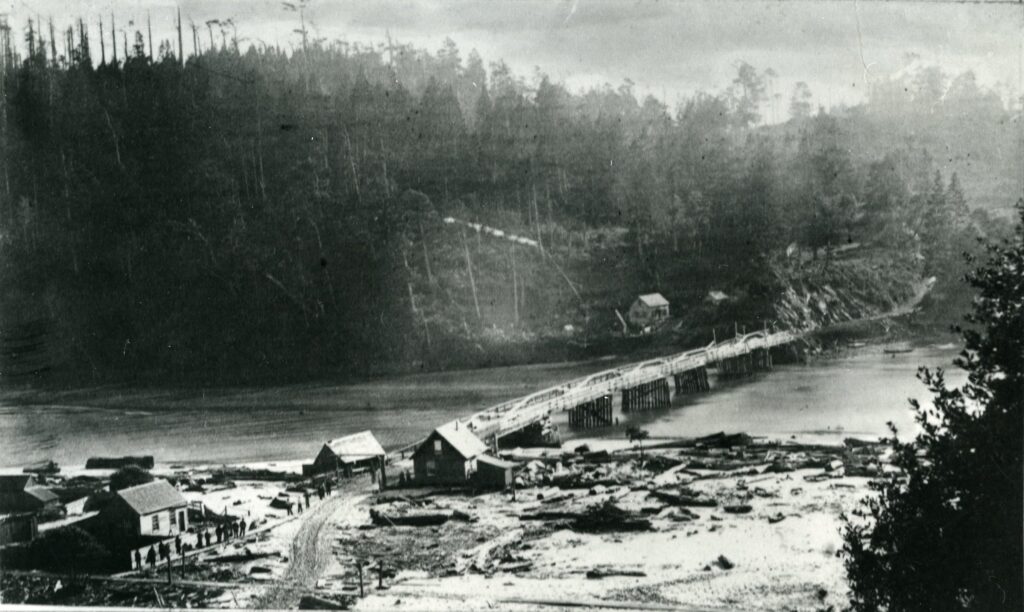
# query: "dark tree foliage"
129,476
68,549
946,533
243,213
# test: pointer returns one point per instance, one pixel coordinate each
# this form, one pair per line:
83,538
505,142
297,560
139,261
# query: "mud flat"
705,526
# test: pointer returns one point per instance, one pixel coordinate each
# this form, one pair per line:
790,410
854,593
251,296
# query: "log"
246,556
312,602
596,574
738,509
418,519
683,499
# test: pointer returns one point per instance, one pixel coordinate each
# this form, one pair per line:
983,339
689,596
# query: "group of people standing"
322,490
223,532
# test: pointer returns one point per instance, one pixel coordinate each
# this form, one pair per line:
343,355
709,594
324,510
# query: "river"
852,395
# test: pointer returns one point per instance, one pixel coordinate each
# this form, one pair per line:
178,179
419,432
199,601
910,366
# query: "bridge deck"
518,413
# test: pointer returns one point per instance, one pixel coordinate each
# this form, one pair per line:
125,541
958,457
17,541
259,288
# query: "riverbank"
723,523
854,391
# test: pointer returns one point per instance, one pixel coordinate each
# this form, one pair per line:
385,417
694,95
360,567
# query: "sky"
667,48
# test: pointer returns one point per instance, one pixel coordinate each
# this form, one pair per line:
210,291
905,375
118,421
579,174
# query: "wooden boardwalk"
643,383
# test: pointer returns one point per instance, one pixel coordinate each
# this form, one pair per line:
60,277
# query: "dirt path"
311,550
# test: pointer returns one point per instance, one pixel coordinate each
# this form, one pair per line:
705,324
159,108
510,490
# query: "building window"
437,447
156,522
170,519
431,467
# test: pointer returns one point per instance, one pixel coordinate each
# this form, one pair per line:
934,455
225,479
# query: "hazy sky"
669,48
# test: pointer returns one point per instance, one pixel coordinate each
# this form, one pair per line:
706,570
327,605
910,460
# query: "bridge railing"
516,414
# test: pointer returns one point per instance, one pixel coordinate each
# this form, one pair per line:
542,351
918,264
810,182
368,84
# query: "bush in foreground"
946,533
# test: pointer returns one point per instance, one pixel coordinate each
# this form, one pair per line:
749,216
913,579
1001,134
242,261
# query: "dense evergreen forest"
246,213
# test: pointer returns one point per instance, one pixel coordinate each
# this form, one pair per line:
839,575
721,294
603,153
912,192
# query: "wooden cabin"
648,309
346,454
20,493
154,509
448,455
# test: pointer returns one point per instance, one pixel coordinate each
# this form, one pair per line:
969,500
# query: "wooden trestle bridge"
643,385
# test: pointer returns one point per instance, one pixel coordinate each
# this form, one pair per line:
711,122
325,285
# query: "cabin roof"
495,462
462,439
653,300
42,494
356,447
151,497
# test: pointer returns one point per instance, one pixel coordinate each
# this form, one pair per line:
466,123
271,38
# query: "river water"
854,395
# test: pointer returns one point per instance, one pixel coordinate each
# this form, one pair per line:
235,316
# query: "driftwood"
418,518
683,499
312,602
243,557
738,509
605,573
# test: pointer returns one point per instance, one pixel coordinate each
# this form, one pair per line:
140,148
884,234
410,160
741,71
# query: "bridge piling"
692,381
596,413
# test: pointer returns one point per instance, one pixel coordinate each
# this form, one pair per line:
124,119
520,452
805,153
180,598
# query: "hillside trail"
311,549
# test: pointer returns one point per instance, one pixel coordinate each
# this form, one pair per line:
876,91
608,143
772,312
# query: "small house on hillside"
345,454
648,309
20,493
153,509
448,455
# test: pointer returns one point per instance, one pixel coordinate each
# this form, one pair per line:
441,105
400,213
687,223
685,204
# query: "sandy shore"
780,552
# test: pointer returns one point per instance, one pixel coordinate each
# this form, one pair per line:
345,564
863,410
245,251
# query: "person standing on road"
206,534
138,559
151,557
329,486
177,544
220,533
305,493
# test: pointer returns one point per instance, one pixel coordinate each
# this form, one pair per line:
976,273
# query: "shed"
358,450
448,455
493,473
152,509
20,493
648,309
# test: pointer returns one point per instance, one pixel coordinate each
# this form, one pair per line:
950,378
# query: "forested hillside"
248,213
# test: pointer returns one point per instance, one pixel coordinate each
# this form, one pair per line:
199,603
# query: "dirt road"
311,550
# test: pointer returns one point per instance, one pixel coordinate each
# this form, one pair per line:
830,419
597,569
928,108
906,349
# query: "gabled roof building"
448,455
346,454
20,493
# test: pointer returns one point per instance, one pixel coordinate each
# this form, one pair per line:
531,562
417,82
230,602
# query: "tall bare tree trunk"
426,253
181,46
472,280
536,218
515,286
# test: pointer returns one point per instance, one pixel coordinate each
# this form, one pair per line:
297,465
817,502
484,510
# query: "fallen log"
738,509
418,518
595,574
723,440
243,557
683,499
312,602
